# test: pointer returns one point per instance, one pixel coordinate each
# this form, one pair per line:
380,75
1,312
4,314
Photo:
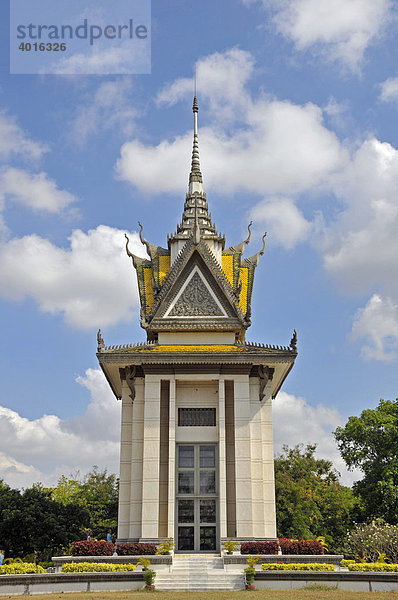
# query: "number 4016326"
42,47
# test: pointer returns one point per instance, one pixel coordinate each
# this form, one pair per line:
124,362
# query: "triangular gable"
197,268
196,299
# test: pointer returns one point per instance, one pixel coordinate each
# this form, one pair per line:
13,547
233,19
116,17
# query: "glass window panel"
207,511
208,538
186,511
185,538
185,482
207,456
207,482
186,456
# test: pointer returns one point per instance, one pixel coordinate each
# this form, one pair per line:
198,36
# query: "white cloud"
106,110
35,191
316,427
93,283
15,142
362,245
340,30
283,221
43,449
377,323
284,148
124,59
389,90
221,78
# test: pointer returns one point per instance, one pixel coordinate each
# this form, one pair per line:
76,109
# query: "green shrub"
250,573
149,576
20,569
94,567
382,567
297,567
345,562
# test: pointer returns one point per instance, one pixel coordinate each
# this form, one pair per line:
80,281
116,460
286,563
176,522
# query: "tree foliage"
310,501
45,521
97,492
32,522
370,442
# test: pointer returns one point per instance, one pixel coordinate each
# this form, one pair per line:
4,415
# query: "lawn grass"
316,593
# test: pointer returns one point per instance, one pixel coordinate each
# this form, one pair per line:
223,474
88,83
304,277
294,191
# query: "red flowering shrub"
310,547
132,549
259,548
300,547
289,546
92,548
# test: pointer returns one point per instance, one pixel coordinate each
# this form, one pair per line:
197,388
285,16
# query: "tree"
97,492
32,522
310,502
370,442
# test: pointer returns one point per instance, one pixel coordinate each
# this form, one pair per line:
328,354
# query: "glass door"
196,498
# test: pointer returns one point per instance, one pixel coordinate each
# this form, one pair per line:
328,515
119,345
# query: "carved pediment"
196,300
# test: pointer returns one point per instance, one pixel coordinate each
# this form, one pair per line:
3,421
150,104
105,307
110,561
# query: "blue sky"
298,109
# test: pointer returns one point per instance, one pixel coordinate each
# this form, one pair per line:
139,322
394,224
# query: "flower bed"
259,548
93,548
134,549
300,546
87,567
297,567
380,567
20,569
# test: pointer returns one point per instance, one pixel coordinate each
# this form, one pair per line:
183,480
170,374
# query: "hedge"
87,567
383,567
132,549
259,548
93,548
345,562
297,567
289,546
20,569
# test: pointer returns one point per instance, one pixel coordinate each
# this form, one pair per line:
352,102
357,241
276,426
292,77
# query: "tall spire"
195,176
196,221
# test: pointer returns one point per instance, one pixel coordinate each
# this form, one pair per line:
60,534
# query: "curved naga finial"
151,249
254,260
241,247
100,341
293,342
250,233
127,247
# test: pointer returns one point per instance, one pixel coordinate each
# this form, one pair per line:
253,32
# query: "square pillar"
222,460
172,452
244,516
151,458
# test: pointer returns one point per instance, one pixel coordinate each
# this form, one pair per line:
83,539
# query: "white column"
125,465
268,463
256,450
151,456
172,451
137,440
244,517
222,459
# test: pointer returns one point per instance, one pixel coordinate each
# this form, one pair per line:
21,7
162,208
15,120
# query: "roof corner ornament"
293,342
255,259
100,341
250,233
263,248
